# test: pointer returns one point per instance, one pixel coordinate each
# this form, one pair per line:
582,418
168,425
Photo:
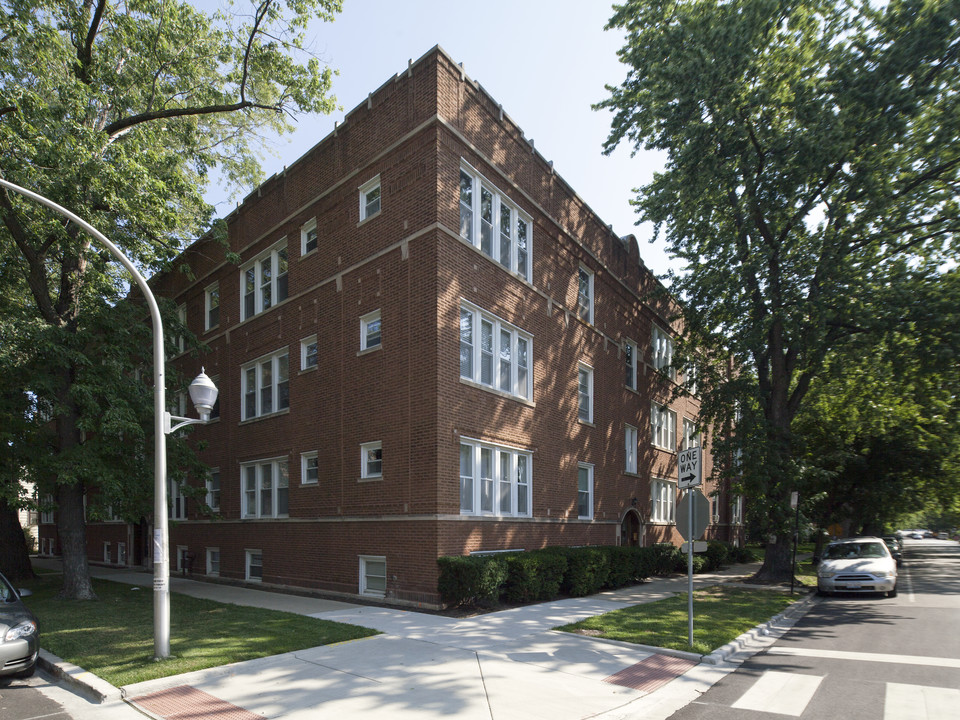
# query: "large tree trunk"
72,524
14,556
778,562
73,543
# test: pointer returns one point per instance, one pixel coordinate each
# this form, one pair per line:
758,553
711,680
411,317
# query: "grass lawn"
720,614
113,636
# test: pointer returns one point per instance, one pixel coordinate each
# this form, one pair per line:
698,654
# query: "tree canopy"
118,111
812,174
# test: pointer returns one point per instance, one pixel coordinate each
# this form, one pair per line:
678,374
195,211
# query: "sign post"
689,476
795,505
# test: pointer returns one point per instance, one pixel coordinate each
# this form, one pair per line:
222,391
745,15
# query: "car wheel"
24,674
823,593
892,593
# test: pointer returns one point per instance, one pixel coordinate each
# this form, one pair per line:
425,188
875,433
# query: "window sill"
495,391
278,413
588,423
310,369
372,478
368,218
367,351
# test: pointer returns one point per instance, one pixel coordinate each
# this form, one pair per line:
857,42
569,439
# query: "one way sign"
689,468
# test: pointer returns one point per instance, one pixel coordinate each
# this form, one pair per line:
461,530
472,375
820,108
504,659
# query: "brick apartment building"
431,346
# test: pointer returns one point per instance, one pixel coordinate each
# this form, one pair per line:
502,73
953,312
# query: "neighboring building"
431,346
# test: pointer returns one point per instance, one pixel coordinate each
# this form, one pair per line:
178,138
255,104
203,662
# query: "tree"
117,111
812,166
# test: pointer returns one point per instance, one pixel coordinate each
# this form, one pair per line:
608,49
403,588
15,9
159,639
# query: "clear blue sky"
545,61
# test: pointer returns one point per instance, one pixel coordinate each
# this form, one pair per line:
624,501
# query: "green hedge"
538,575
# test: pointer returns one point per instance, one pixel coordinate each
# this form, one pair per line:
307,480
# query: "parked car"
19,634
895,546
862,564
917,535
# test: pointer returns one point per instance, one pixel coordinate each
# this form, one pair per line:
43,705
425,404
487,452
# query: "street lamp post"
203,393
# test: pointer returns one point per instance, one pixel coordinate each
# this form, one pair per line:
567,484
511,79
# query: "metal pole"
796,539
690,571
161,566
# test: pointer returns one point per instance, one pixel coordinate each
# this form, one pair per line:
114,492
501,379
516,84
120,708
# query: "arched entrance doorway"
631,529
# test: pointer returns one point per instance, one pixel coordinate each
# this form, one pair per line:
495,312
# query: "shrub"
471,579
718,555
664,558
533,576
587,571
623,562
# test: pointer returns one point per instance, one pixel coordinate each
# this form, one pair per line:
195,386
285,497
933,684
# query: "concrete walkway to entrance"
506,664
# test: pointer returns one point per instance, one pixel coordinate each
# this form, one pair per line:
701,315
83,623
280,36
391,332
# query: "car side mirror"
23,592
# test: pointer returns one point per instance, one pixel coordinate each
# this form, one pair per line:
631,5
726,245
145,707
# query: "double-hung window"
266,488
370,325
585,393
494,480
264,281
178,502
213,489
309,468
212,306
308,353
494,353
584,491
585,294
308,236
494,224
371,460
661,351
691,437
663,501
180,339
370,198
266,385
630,362
663,424
630,449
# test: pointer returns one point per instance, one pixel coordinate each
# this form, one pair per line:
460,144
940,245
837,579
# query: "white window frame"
309,461
211,303
277,284
308,235
182,551
495,480
367,469
663,501
584,393
213,489
367,209
180,340
663,427
585,472
661,352
513,249
630,363
495,366
736,510
631,448
253,489
213,566
122,554
106,552
691,436
279,389
585,294
306,354
46,516
178,501
365,575
371,339
253,559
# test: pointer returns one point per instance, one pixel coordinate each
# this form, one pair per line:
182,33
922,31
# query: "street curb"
761,636
84,683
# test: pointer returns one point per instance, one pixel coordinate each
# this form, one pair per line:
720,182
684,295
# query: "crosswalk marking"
918,702
867,657
780,692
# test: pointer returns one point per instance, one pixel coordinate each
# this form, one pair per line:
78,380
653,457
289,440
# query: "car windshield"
849,551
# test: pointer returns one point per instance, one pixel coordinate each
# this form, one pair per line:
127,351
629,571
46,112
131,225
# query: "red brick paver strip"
652,673
187,703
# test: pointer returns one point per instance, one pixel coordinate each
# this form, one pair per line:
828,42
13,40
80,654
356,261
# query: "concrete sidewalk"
507,664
